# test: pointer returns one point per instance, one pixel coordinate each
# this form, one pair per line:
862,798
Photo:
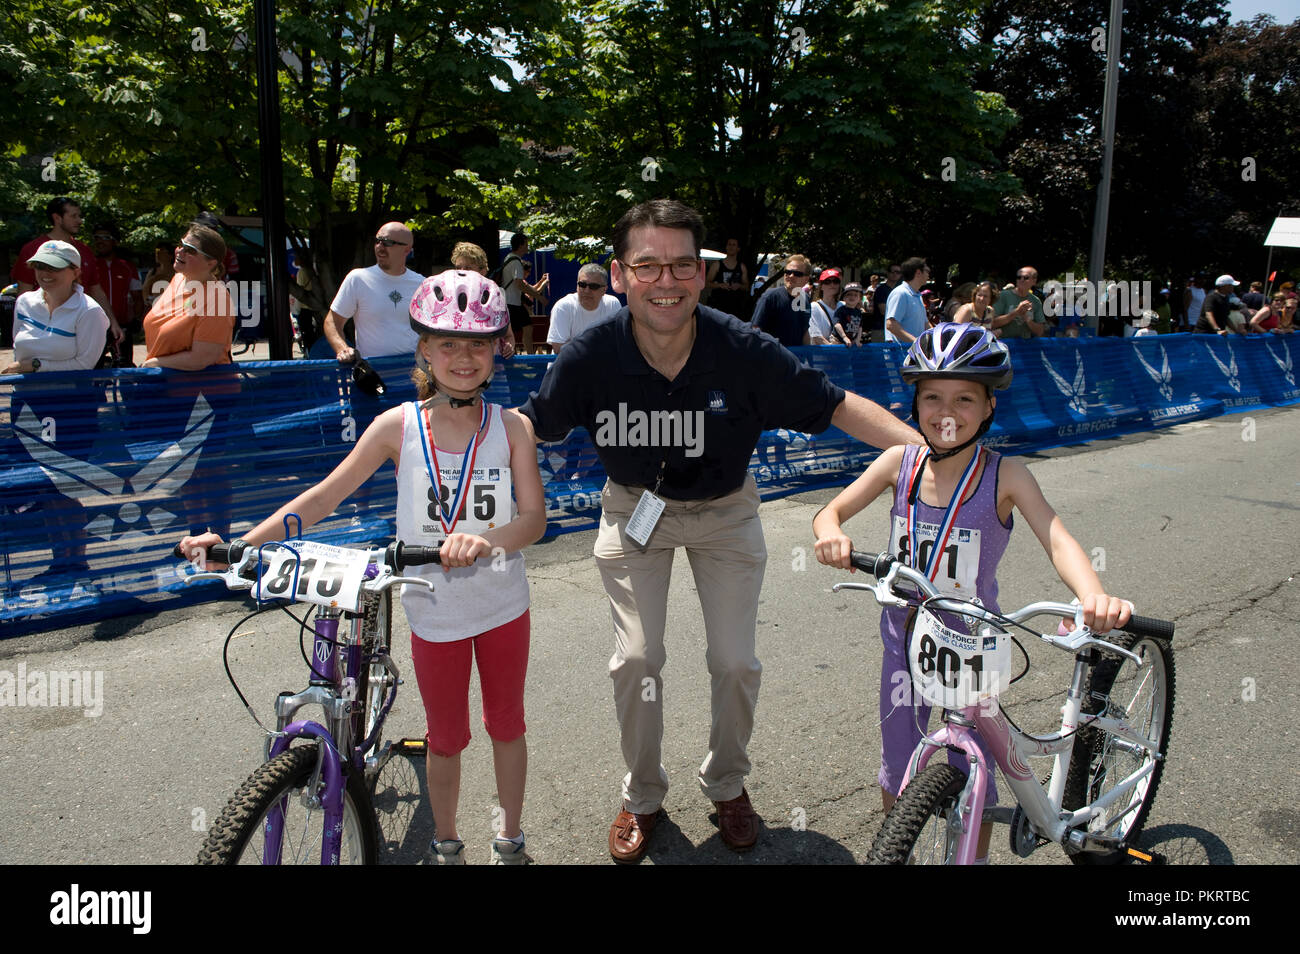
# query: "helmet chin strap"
455,402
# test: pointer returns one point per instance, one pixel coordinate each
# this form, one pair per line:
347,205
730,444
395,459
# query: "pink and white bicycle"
1108,754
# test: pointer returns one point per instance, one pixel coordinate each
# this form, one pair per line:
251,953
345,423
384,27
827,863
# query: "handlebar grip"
1150,626
400,556
228,553
877,564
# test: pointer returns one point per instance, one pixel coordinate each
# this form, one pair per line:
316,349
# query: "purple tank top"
968,563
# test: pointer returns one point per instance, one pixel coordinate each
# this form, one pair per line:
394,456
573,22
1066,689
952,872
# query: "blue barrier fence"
103,471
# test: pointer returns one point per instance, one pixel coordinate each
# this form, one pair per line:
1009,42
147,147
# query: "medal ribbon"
449,520
949,516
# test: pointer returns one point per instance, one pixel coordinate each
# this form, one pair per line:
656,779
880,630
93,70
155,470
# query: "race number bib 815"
326,575
959,561
486,505
954,670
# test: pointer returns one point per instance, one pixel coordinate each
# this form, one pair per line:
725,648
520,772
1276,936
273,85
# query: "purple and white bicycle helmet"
964,352
459,304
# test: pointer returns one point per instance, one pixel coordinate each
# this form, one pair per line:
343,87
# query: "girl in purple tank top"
951,518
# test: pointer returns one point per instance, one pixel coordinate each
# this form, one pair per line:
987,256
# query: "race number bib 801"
485,506
954,670
326,575
959,562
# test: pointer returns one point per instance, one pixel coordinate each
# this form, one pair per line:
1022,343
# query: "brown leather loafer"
630,834
738,822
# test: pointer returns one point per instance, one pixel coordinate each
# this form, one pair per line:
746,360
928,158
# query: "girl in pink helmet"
467,480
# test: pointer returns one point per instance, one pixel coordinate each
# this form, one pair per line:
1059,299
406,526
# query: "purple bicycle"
310,802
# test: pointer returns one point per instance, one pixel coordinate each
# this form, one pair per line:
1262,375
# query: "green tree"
819,126
389,110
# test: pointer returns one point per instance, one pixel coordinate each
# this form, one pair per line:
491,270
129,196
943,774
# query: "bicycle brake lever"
880,589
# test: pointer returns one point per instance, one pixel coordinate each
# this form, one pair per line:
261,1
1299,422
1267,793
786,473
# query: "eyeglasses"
1025,278
647,272
42,267
387,242
831,281
186,249
593,286
794,273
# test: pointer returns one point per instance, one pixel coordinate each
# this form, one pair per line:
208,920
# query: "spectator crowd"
49,326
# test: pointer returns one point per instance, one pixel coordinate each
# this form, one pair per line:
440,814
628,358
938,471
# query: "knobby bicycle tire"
235,837
1100,759
919,820
373,681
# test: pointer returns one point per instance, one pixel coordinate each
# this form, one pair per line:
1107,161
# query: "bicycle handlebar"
880,566
398,556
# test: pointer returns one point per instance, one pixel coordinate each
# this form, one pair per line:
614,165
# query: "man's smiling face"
665,304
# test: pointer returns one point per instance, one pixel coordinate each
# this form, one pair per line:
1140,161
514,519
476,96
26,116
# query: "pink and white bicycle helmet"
459,304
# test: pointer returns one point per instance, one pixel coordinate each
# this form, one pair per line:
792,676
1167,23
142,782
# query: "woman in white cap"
58,327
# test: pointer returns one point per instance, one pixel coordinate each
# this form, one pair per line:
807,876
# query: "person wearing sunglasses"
676,396
1018,312
782,310
377,301
589,305
822,312
1269,318
65,219
190,326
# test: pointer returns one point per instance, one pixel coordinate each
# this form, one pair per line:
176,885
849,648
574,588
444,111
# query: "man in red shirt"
120,279
65,222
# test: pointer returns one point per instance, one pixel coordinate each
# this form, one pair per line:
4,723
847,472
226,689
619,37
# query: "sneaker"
449,852
506,852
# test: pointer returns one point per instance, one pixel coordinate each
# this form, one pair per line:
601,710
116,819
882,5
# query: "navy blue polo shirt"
701,427
776,314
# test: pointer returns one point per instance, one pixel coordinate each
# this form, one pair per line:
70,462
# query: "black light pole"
279,331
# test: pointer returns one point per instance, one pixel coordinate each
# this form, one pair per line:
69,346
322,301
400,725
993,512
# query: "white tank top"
469,600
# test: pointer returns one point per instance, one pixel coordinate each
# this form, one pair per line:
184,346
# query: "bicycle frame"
336,694
1011,749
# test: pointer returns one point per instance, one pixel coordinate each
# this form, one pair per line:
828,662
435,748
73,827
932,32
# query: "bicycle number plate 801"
328,576
956,670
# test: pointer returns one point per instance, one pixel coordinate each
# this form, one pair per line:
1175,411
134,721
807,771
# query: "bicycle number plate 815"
955,670
328,576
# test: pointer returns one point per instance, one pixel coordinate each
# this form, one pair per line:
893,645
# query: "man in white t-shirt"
574,314
378,300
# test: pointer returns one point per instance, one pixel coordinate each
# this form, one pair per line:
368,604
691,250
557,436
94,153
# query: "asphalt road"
1197,525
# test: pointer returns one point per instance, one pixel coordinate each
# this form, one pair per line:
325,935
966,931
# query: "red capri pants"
442,672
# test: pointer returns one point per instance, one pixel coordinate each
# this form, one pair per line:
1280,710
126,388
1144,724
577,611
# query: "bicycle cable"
1003,623
225,661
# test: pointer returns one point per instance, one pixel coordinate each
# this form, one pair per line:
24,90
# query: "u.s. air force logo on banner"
119,504
1074,390
1163,378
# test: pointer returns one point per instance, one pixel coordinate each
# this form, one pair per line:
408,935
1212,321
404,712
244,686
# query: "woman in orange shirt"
191,324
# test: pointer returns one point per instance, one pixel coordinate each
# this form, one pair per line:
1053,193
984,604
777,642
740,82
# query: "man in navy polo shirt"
675,397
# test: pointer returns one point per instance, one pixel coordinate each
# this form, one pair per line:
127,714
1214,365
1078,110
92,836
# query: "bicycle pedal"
411,748
1154,858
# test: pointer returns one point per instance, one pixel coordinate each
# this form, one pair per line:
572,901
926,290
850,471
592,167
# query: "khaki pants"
723,540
